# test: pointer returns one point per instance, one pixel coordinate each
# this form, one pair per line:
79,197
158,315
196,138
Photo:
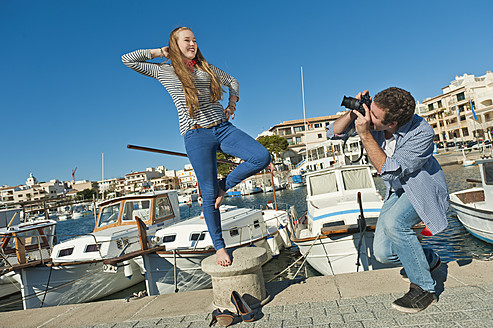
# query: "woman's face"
187,44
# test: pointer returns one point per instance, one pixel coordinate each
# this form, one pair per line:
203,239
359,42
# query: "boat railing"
24,247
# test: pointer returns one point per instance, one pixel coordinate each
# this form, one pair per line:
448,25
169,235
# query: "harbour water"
453,244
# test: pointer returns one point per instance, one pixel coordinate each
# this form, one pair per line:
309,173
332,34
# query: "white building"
450,114
187,177
139,181
298,140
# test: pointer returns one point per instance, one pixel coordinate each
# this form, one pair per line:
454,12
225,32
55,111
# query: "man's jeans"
396,242
201,146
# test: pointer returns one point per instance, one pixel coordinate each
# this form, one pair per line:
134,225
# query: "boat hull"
43,286
479,222
339,254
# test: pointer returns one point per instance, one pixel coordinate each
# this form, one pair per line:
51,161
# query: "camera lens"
351,103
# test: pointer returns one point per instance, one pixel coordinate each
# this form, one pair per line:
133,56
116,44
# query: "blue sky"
65,96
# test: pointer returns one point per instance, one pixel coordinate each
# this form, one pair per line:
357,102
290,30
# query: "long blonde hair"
186,77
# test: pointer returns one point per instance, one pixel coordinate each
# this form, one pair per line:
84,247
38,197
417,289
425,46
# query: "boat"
465,161
336,234
249,187
22,244
178,267
75,272
187,196
474,206
296,181
81,211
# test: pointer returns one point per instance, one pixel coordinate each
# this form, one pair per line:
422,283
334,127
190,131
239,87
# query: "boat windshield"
488,173
109,215
356,179
323,183
137,208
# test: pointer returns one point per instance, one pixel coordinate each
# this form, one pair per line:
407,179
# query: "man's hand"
362,122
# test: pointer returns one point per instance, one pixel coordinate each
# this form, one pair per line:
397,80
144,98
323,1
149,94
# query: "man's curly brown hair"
399,105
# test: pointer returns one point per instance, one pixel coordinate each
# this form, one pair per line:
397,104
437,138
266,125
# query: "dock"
363,299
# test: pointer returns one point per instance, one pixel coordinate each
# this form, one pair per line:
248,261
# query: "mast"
304,116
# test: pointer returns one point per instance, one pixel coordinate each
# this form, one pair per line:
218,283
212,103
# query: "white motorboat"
187,196
81,211
23,244
178,268
249,187
297,181
336,236
76,271
474,206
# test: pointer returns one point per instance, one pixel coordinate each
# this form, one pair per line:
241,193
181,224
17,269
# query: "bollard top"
243,259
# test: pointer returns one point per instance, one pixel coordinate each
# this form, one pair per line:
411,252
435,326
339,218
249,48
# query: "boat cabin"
150,208
116,230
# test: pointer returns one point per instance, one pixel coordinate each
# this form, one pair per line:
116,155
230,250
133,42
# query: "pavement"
446,157
363,299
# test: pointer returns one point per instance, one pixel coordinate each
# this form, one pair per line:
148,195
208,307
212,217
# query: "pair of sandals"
226,318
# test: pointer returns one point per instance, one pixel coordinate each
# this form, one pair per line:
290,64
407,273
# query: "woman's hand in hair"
160,52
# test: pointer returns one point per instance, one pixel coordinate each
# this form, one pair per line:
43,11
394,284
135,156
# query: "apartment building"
138,181
302,133
464,110
187,177
7,195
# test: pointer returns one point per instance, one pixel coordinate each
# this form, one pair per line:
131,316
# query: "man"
400,146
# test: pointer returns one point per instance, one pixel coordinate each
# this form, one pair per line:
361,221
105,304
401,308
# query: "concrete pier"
363,299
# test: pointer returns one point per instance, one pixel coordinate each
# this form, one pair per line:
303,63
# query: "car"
450,144
471,144
487,142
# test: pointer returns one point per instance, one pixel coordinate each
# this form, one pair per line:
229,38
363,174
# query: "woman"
195,87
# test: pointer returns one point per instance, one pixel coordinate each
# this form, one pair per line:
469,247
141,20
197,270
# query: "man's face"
377,115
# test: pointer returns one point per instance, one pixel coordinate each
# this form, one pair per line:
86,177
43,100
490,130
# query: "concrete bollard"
244,275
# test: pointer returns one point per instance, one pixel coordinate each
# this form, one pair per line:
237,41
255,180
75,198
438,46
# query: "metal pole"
167,152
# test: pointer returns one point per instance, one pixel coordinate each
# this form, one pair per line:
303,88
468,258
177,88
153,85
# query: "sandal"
242,307
225,318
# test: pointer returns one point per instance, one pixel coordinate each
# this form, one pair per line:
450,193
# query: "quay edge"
362,297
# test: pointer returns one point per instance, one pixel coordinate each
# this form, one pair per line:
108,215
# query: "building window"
290,142
319,135
439,104
317,125
430,107
299,129
298,140
461,96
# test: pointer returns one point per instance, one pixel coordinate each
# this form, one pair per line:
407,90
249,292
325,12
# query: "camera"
357,104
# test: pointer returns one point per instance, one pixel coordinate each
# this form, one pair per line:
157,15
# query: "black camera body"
357,104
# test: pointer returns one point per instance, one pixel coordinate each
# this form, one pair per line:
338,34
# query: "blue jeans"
396,242
201,146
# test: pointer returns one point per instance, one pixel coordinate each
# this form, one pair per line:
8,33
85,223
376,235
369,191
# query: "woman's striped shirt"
208,112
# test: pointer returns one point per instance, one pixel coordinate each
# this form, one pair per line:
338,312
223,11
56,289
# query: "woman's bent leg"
237,143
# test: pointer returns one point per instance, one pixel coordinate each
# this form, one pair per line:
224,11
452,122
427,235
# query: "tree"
86,193
223,168
274,144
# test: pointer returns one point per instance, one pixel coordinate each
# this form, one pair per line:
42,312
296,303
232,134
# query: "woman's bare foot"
222,257
220,196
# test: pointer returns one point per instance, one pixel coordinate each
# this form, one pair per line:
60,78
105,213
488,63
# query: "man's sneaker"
415,300
433,268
